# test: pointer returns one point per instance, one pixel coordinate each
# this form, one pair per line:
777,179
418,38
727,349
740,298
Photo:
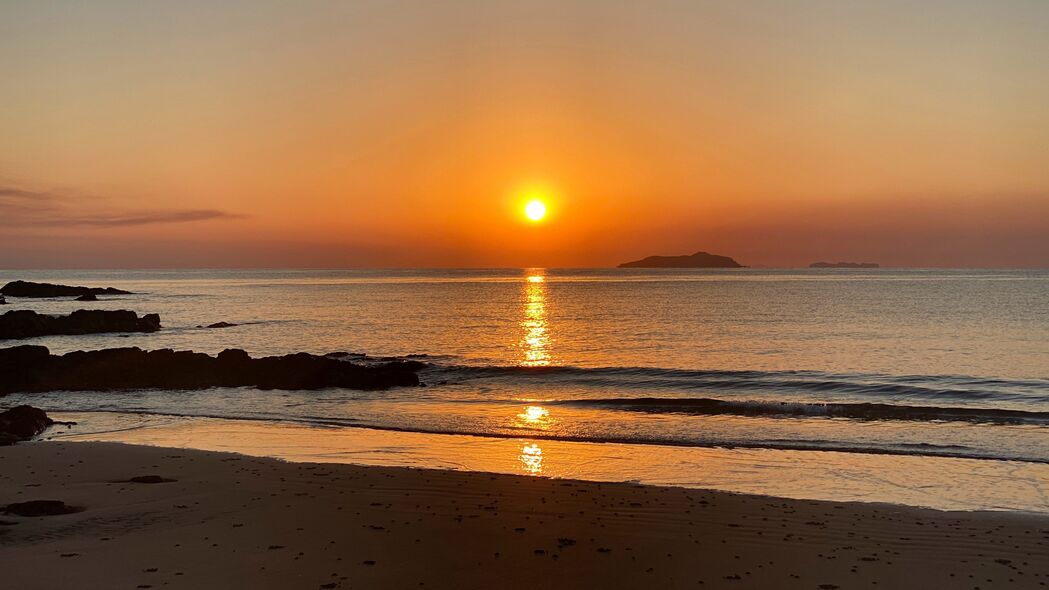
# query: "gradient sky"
348,134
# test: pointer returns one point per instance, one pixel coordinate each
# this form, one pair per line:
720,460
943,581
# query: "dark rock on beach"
29,289
26,323
149,479
34,369
39,508
697,260
22,423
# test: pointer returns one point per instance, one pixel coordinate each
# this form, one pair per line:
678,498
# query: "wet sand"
232,521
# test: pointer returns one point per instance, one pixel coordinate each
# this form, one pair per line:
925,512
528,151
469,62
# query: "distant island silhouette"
697,260
844,265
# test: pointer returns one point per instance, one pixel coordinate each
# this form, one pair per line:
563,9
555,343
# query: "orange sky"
398,133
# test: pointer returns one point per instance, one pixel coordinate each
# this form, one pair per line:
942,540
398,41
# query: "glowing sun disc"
535,210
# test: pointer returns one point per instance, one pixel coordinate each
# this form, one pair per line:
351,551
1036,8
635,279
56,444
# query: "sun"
536,200
535,210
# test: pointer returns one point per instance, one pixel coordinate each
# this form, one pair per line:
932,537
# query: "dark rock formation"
697,260
87,297
24,323
2,300
28,289
22,423
34,368
844,265
39,508
220,325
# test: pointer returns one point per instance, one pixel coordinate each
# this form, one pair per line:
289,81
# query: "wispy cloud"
17,193
28,208
128,219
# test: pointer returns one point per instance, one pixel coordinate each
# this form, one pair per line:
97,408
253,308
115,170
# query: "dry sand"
231,521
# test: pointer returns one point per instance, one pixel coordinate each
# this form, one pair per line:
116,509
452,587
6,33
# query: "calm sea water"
899,362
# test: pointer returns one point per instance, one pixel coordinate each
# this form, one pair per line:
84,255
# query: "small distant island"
844,265
697,260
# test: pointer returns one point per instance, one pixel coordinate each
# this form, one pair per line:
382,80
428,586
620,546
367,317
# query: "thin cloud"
130,219
17,193
28,208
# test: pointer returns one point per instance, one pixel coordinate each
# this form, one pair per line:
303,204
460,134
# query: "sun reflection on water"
532,459
535,417
536,341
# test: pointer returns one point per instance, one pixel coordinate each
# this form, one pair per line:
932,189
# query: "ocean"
945,369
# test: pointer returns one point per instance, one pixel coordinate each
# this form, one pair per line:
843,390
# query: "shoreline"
919,481
734,445
237,521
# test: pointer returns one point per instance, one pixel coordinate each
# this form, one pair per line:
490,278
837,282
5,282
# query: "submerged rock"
220,325
340,354
34,368
26,323
87,297
30,289
22,423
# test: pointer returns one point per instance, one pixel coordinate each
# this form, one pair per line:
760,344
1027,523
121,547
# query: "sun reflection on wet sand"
945,483
532,459
536,341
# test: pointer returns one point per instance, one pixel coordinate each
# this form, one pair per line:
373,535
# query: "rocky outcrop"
34,368
30,289
22,423
87,297
220,325
24,323
697,260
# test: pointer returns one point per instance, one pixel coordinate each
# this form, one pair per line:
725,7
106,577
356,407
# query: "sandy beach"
229,521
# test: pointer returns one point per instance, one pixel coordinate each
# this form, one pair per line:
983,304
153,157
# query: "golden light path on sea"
536,340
